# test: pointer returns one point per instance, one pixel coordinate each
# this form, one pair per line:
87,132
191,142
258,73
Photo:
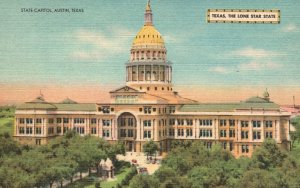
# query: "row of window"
60,120
149,109
105,109
126,133
223,133
127,122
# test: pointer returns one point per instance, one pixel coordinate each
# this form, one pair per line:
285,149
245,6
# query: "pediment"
126,89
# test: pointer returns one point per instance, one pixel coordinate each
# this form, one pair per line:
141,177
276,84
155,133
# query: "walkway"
141,160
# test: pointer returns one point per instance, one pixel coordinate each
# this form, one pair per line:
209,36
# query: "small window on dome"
148,36
139,36
156,36
153,36
143,36
162,88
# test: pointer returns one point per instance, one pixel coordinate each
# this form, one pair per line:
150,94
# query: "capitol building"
148,108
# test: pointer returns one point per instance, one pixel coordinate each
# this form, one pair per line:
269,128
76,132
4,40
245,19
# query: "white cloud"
254,53
219,69
289,28
258,65
103,44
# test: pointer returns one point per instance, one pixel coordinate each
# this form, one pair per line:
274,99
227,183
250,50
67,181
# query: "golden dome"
148,35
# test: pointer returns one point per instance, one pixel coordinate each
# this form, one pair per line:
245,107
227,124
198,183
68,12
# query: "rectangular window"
244,134
29,121
93,121
232,122
171,121
106,122
93,130
65,129
130,122
222,122
79,120
147,110
222,133
130,133
22,121
50,130
256,124
231,133
106,133
230,146
244,123
189,121
38,130
256,135
28,130
269,134
58,130
180,121
147,123
58,120
21,130
66,120
50,120
189,132
105,109
38,121
245,148
147,134
80,130
269,124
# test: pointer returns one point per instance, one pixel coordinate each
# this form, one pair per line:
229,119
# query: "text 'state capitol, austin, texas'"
148,108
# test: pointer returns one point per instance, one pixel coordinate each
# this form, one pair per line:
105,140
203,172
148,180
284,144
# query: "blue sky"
91,48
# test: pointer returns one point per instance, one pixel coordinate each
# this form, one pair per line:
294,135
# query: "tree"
268,155
150,148
8,146
260,178
144,181
295,135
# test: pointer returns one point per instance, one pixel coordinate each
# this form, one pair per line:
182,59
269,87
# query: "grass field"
6,125
7,119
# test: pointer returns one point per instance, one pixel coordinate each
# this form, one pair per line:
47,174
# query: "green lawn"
6,125
89,183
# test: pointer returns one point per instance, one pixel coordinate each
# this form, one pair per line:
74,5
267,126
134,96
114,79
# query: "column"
144,76
97,127
138,130
262,134
194,129
101,128
250,130
176,128
137,73
158,72
216,128
154,131
238,132
33,128
277,129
